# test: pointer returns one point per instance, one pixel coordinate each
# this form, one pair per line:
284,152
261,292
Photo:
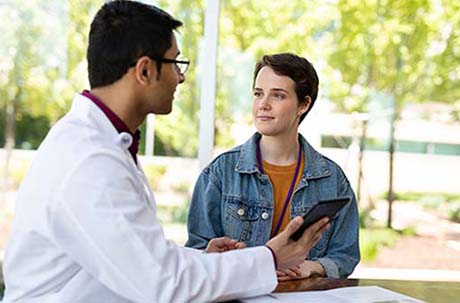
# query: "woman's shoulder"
238,154
226,158
319,161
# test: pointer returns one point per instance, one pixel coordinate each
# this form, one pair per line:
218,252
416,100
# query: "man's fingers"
319,234
284,278
240,245
221,244
291,273
296,270
294,225
225,242
314,231
228,242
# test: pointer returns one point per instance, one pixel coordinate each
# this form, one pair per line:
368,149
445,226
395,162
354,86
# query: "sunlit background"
388,110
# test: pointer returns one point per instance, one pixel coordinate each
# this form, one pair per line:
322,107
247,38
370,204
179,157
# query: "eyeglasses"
181,65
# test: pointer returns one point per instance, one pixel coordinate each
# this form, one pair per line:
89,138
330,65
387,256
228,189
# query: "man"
85,228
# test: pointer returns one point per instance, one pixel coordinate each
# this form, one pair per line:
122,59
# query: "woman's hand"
223,244
305,270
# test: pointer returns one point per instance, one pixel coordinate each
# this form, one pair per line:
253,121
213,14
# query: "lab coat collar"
83,108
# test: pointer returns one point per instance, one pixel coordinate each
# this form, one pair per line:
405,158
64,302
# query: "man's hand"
305,270
290,253
223,244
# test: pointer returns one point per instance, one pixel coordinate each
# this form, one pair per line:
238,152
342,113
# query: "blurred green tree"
406,49
39,67
177,134
22,76
409,49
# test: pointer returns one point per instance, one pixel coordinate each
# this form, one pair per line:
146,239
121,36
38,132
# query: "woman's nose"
263,103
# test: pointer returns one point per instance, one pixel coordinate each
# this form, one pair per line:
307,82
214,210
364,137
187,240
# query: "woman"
251,192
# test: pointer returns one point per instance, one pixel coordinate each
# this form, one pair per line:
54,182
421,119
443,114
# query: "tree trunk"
391,150
360,158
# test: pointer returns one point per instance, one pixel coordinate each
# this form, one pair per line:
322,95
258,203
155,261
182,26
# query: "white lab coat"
86,229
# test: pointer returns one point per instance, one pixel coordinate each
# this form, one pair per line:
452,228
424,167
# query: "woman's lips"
264,118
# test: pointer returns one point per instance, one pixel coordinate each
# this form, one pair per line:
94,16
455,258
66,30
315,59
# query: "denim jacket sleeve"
343,248
203,222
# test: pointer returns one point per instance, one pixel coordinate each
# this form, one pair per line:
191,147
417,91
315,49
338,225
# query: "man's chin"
165,111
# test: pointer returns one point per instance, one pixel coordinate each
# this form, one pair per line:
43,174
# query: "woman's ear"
304,106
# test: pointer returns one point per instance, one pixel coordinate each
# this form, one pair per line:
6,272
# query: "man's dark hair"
121,32
299,69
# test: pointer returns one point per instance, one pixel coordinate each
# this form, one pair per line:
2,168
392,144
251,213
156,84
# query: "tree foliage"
23,78
404,48
409,49
42,63
177,133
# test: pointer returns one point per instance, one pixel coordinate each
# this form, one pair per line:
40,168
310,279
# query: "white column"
208,82
149,135
149,128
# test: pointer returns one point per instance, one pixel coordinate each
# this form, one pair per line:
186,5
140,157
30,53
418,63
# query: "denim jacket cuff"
331,269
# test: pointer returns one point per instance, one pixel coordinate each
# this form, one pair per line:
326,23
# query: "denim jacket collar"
315,163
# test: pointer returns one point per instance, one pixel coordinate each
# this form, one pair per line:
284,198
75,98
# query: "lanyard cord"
291,188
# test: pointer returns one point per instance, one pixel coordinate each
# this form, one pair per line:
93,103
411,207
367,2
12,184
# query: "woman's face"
275,108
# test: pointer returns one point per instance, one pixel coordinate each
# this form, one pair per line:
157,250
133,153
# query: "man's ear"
304,106
145,70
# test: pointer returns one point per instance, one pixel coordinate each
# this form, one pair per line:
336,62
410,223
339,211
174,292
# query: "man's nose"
181,78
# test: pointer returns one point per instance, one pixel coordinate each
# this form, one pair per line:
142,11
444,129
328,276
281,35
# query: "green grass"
371,240
426,197
453,211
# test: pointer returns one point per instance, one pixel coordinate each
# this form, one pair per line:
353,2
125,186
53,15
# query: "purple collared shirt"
119,125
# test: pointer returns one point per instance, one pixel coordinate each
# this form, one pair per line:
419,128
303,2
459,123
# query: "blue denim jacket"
232,198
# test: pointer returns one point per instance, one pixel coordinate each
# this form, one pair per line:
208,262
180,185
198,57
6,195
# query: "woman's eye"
278,96
257,94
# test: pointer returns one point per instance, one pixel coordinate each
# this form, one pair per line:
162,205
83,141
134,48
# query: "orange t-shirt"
281,178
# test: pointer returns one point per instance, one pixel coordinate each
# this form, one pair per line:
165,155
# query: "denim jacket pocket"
241,217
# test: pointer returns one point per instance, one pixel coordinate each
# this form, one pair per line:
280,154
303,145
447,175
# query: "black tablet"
325,208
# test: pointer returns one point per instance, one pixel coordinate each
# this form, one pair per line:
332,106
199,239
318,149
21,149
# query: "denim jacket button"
265,215
240,212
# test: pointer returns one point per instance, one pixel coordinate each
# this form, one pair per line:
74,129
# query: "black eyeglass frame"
186,62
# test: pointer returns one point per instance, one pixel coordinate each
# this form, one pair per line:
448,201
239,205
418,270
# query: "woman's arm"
342,254
204,217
